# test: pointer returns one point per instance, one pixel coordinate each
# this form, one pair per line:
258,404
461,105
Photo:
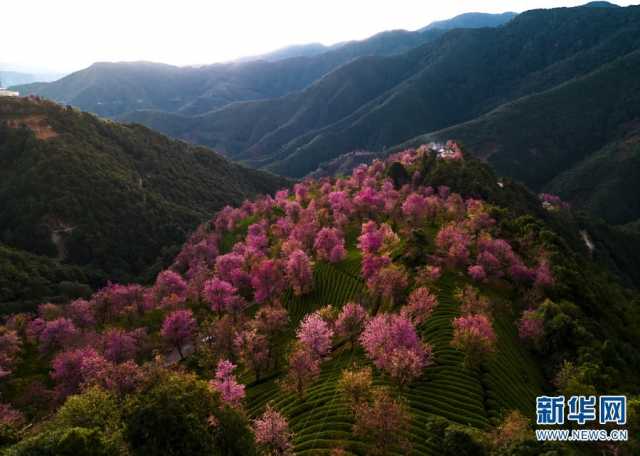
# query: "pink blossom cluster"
299,272
222,296
10,346
226,384
473,334
392,343
178,329
75,369
271,431
351,321
531,325
315,334
420,306
329,245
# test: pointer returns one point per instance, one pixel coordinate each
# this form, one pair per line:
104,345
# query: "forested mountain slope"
98,194
578,140
113,89
415,307
377,102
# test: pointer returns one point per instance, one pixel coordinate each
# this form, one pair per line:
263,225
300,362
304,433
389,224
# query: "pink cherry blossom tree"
299,272
388,339
178,329
304,369
406,364
356,385
267,280
81,313
222,296
73,368
315,334
170,289
477,273
420,306
428,275
474,335
371,264
385,422
370,239
123,378
11,418
226,384
57,334
229,267
253,350
543,275
472,302
389,282
9,349
453,243
35,328
120,345
257,236
531,325
369,201
329,245
351,321
49,311
270,322
415,208
340,203
272,433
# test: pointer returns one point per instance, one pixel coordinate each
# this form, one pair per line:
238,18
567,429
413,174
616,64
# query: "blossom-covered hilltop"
400,309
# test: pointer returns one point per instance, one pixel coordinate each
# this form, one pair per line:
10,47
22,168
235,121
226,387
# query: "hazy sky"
68,35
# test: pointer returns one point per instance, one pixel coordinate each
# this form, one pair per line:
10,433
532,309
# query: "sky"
68,35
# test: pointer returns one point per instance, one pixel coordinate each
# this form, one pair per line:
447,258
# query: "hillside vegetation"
105,196
27,280
417,306
581,147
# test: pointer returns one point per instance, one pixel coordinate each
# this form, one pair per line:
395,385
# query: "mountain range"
531,72
11,78
293,115
113,89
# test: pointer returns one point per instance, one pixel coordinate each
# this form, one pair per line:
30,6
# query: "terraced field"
323,421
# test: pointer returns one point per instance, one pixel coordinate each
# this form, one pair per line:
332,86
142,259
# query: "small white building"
8,93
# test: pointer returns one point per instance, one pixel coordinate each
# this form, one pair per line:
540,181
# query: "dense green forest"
111,198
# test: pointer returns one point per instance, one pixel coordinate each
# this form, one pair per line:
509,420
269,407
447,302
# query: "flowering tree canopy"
351,321
473,334
329,245
272,433
299,272
420,306
222,296
315,334
226,384
393,345
179,328
531,325
304,368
